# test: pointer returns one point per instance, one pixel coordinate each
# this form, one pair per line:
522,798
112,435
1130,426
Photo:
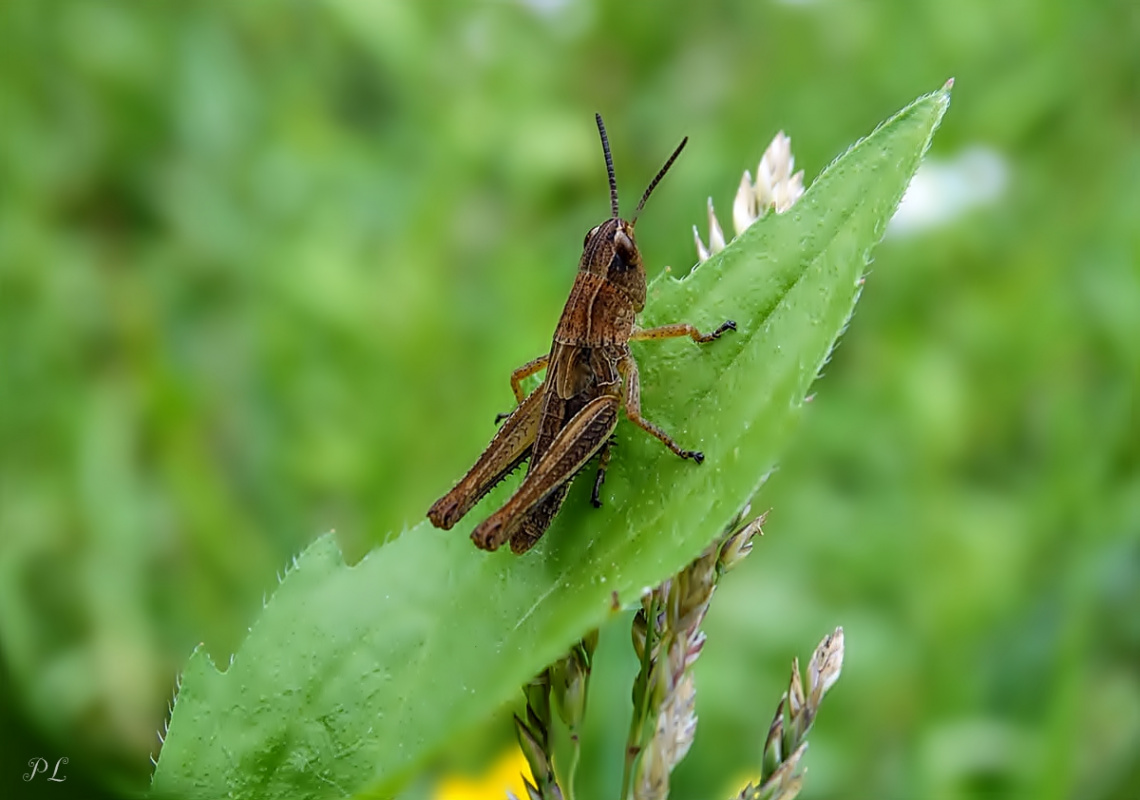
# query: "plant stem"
572,770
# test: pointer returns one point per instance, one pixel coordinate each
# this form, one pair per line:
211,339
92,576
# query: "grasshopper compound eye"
625,252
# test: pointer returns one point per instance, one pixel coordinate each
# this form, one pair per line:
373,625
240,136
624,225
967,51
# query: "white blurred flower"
945,188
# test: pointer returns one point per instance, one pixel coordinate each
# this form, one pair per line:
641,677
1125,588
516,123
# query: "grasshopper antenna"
609,166
653,183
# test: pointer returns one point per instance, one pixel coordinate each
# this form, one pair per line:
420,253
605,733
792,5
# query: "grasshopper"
590,375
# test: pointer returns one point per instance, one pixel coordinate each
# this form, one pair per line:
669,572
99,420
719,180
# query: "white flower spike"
776,188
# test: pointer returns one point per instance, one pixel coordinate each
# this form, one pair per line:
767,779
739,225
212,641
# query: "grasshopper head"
610,249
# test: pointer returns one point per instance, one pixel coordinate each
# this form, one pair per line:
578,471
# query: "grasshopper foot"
727,325
500,417
696,455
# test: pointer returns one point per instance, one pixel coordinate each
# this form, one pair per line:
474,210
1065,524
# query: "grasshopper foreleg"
518,376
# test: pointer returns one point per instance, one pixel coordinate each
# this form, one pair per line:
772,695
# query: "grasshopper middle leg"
603,462
682,329
627,367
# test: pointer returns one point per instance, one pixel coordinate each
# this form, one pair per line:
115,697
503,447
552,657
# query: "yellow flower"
505,775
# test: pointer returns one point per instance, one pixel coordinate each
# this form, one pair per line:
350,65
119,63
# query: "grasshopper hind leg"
544,488
534,525
628,369
511,445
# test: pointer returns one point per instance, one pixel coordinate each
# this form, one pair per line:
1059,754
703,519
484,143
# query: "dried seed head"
739,544
534,739
532,748
795,696
532,791
825,666
785,783
787,735
537,693
676,727
688,600
569,681
774,743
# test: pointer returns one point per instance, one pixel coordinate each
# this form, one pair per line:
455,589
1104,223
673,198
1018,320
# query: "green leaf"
354,676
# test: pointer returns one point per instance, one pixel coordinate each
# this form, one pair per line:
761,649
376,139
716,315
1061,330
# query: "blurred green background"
265,268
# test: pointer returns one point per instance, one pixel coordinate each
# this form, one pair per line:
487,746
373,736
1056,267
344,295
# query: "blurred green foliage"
264,270
357,676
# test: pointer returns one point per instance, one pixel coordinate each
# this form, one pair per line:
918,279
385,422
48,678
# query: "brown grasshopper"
590,373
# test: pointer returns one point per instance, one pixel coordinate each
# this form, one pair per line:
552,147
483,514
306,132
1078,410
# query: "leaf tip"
942,98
